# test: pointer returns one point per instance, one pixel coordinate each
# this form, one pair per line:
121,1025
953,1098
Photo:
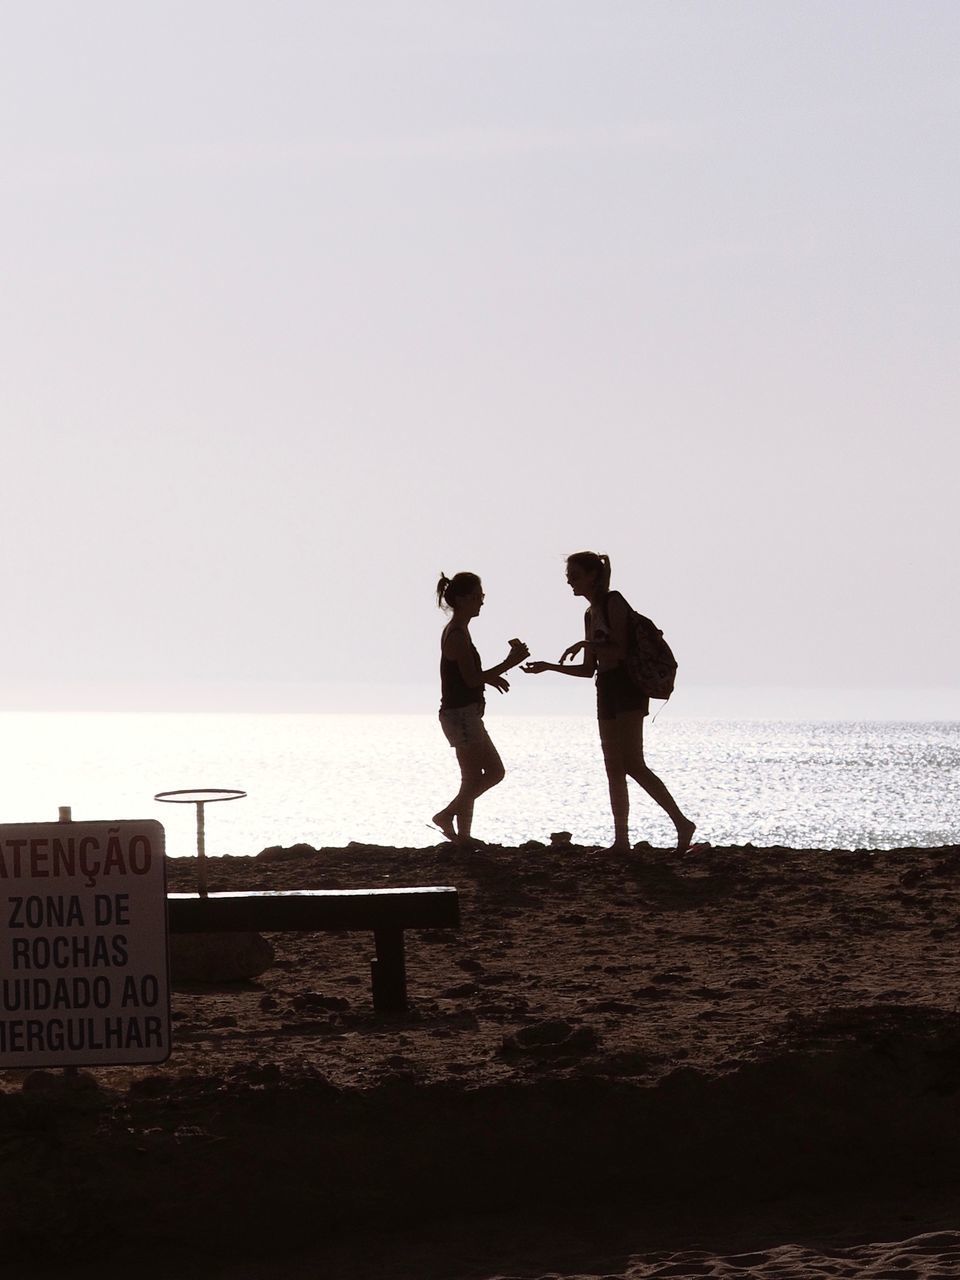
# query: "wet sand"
740,1062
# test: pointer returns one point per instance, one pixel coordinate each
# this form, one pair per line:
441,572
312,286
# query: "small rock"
582,1040
277,853
316,1000
553,1037
538,1033
669,977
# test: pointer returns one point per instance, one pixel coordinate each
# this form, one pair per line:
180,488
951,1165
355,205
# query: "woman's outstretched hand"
571,652
534,668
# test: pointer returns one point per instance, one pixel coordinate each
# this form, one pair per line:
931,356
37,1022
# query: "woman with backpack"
621,704
462,679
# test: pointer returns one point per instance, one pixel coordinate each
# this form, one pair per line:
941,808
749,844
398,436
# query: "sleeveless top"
454,690
597,627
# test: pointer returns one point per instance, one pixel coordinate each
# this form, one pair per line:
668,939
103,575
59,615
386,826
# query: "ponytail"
450,589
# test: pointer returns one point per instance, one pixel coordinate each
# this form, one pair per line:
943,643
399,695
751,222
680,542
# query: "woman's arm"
585,668
518,651
581,669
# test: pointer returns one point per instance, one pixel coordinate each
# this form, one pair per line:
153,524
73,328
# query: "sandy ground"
740,1063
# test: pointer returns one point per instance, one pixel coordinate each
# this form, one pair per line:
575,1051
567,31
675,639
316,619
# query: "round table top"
199,795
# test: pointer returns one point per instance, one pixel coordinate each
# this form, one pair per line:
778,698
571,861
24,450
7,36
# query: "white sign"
83,944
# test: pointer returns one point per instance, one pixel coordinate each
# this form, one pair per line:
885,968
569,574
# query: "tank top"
454,690
598,629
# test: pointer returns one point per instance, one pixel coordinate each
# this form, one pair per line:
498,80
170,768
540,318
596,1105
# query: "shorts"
463,726
617,694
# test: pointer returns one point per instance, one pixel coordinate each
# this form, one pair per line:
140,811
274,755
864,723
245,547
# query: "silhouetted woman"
620,704
462,702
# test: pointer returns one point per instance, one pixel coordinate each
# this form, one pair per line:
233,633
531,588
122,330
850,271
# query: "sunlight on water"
327,780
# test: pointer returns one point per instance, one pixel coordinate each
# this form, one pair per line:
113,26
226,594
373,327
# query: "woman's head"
452,590
588,573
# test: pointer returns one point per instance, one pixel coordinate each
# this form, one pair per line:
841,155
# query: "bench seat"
384,912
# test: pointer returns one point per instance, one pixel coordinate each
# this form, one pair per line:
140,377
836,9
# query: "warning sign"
83,944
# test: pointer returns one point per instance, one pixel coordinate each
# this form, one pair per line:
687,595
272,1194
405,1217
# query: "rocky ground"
617,1066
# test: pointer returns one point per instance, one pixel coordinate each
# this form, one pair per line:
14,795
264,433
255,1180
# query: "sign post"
83,944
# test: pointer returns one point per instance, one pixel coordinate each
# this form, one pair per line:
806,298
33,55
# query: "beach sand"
740,1062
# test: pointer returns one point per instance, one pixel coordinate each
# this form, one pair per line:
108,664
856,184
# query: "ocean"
332,779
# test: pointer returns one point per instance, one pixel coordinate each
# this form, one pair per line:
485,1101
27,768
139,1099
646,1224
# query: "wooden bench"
387,912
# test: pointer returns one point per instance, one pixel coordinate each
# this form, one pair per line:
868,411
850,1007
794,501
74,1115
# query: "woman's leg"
480,769
470,759
484,769
630,726
493,770
613,760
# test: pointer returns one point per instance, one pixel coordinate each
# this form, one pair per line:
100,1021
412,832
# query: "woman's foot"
470,842
685,830
444,823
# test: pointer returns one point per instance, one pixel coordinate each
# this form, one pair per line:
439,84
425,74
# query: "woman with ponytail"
462,680
621,706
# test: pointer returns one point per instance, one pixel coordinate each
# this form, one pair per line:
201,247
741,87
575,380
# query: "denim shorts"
463,726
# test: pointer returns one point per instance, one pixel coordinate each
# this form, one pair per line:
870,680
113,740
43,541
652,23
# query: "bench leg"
388,972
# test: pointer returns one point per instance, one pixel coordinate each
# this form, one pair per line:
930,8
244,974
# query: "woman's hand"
535,668
571,652
518,651
498,682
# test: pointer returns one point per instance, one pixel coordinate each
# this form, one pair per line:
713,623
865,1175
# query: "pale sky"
305,302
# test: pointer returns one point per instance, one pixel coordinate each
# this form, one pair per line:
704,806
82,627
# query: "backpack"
649,662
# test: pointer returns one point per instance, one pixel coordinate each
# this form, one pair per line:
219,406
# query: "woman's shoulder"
617,600
454,636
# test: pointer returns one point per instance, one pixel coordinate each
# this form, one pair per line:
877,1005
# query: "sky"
303,303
